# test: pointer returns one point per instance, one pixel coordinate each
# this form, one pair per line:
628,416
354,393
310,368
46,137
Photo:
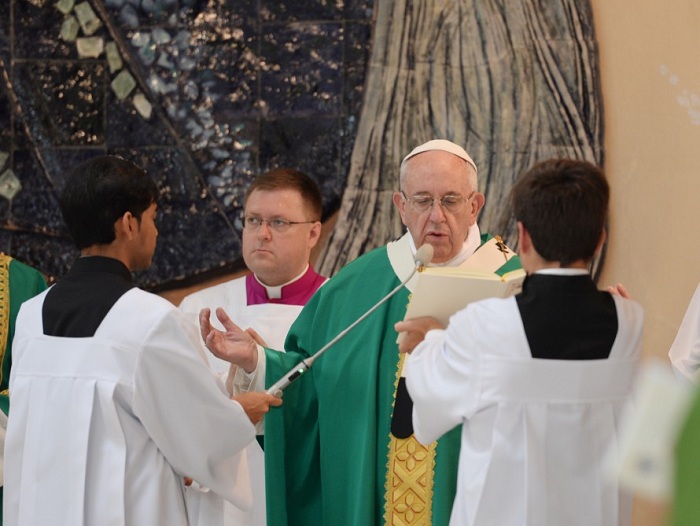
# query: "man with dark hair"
113,401
281,225
537,381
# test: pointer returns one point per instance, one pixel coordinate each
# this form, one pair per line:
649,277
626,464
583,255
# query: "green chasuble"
18,283
326,448
685,510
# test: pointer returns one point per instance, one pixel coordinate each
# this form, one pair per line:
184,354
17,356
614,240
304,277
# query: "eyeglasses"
452,203
277,224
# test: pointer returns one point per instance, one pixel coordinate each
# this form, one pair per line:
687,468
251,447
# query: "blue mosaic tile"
229,189
317,155
4,27
19,138
126,128
300,10
302,71
359,9
5,120
37,212
228,14
29,172
144,13
63,102
29,167
5,240
4,211
225,73
357,37
33,248
37,26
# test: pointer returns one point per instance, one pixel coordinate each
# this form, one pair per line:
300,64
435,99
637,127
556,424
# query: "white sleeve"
254,381
441,377
190,306
187,412
239,382
685,351
3,430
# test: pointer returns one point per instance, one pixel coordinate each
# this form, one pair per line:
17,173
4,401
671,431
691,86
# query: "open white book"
442,291
439,292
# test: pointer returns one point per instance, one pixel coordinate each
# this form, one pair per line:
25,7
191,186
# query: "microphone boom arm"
298,370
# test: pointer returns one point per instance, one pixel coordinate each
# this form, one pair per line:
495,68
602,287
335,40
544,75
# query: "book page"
440,293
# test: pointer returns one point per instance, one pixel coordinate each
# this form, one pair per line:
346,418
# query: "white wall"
651,89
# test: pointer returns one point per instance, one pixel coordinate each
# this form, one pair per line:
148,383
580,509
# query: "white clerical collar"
275,293
470,245
562,271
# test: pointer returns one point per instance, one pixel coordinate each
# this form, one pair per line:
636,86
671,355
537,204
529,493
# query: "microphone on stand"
423,256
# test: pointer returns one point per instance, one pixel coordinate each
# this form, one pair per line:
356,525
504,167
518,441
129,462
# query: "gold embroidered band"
4,306
410,477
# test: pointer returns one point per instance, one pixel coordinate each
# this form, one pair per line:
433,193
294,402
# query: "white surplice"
104,428
536,432
272,322
685,351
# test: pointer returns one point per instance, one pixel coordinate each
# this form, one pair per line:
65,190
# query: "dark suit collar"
552,283
101,264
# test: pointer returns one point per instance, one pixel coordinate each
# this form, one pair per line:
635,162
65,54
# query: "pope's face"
435,174
278,256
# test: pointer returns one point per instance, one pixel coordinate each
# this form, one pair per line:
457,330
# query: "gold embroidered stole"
4,306
410,477
411,465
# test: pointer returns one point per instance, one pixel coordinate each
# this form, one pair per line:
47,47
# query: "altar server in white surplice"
685,351
281,225
538,380
113,403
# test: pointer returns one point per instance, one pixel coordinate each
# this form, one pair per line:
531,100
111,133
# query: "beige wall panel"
651,90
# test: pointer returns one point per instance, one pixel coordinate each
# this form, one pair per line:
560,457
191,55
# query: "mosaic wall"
205,94
513,81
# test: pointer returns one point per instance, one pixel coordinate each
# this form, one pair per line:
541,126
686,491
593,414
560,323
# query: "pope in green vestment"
18,283
327,446
340,451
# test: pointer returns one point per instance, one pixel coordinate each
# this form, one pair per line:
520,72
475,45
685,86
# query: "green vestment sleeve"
686,511
24,282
